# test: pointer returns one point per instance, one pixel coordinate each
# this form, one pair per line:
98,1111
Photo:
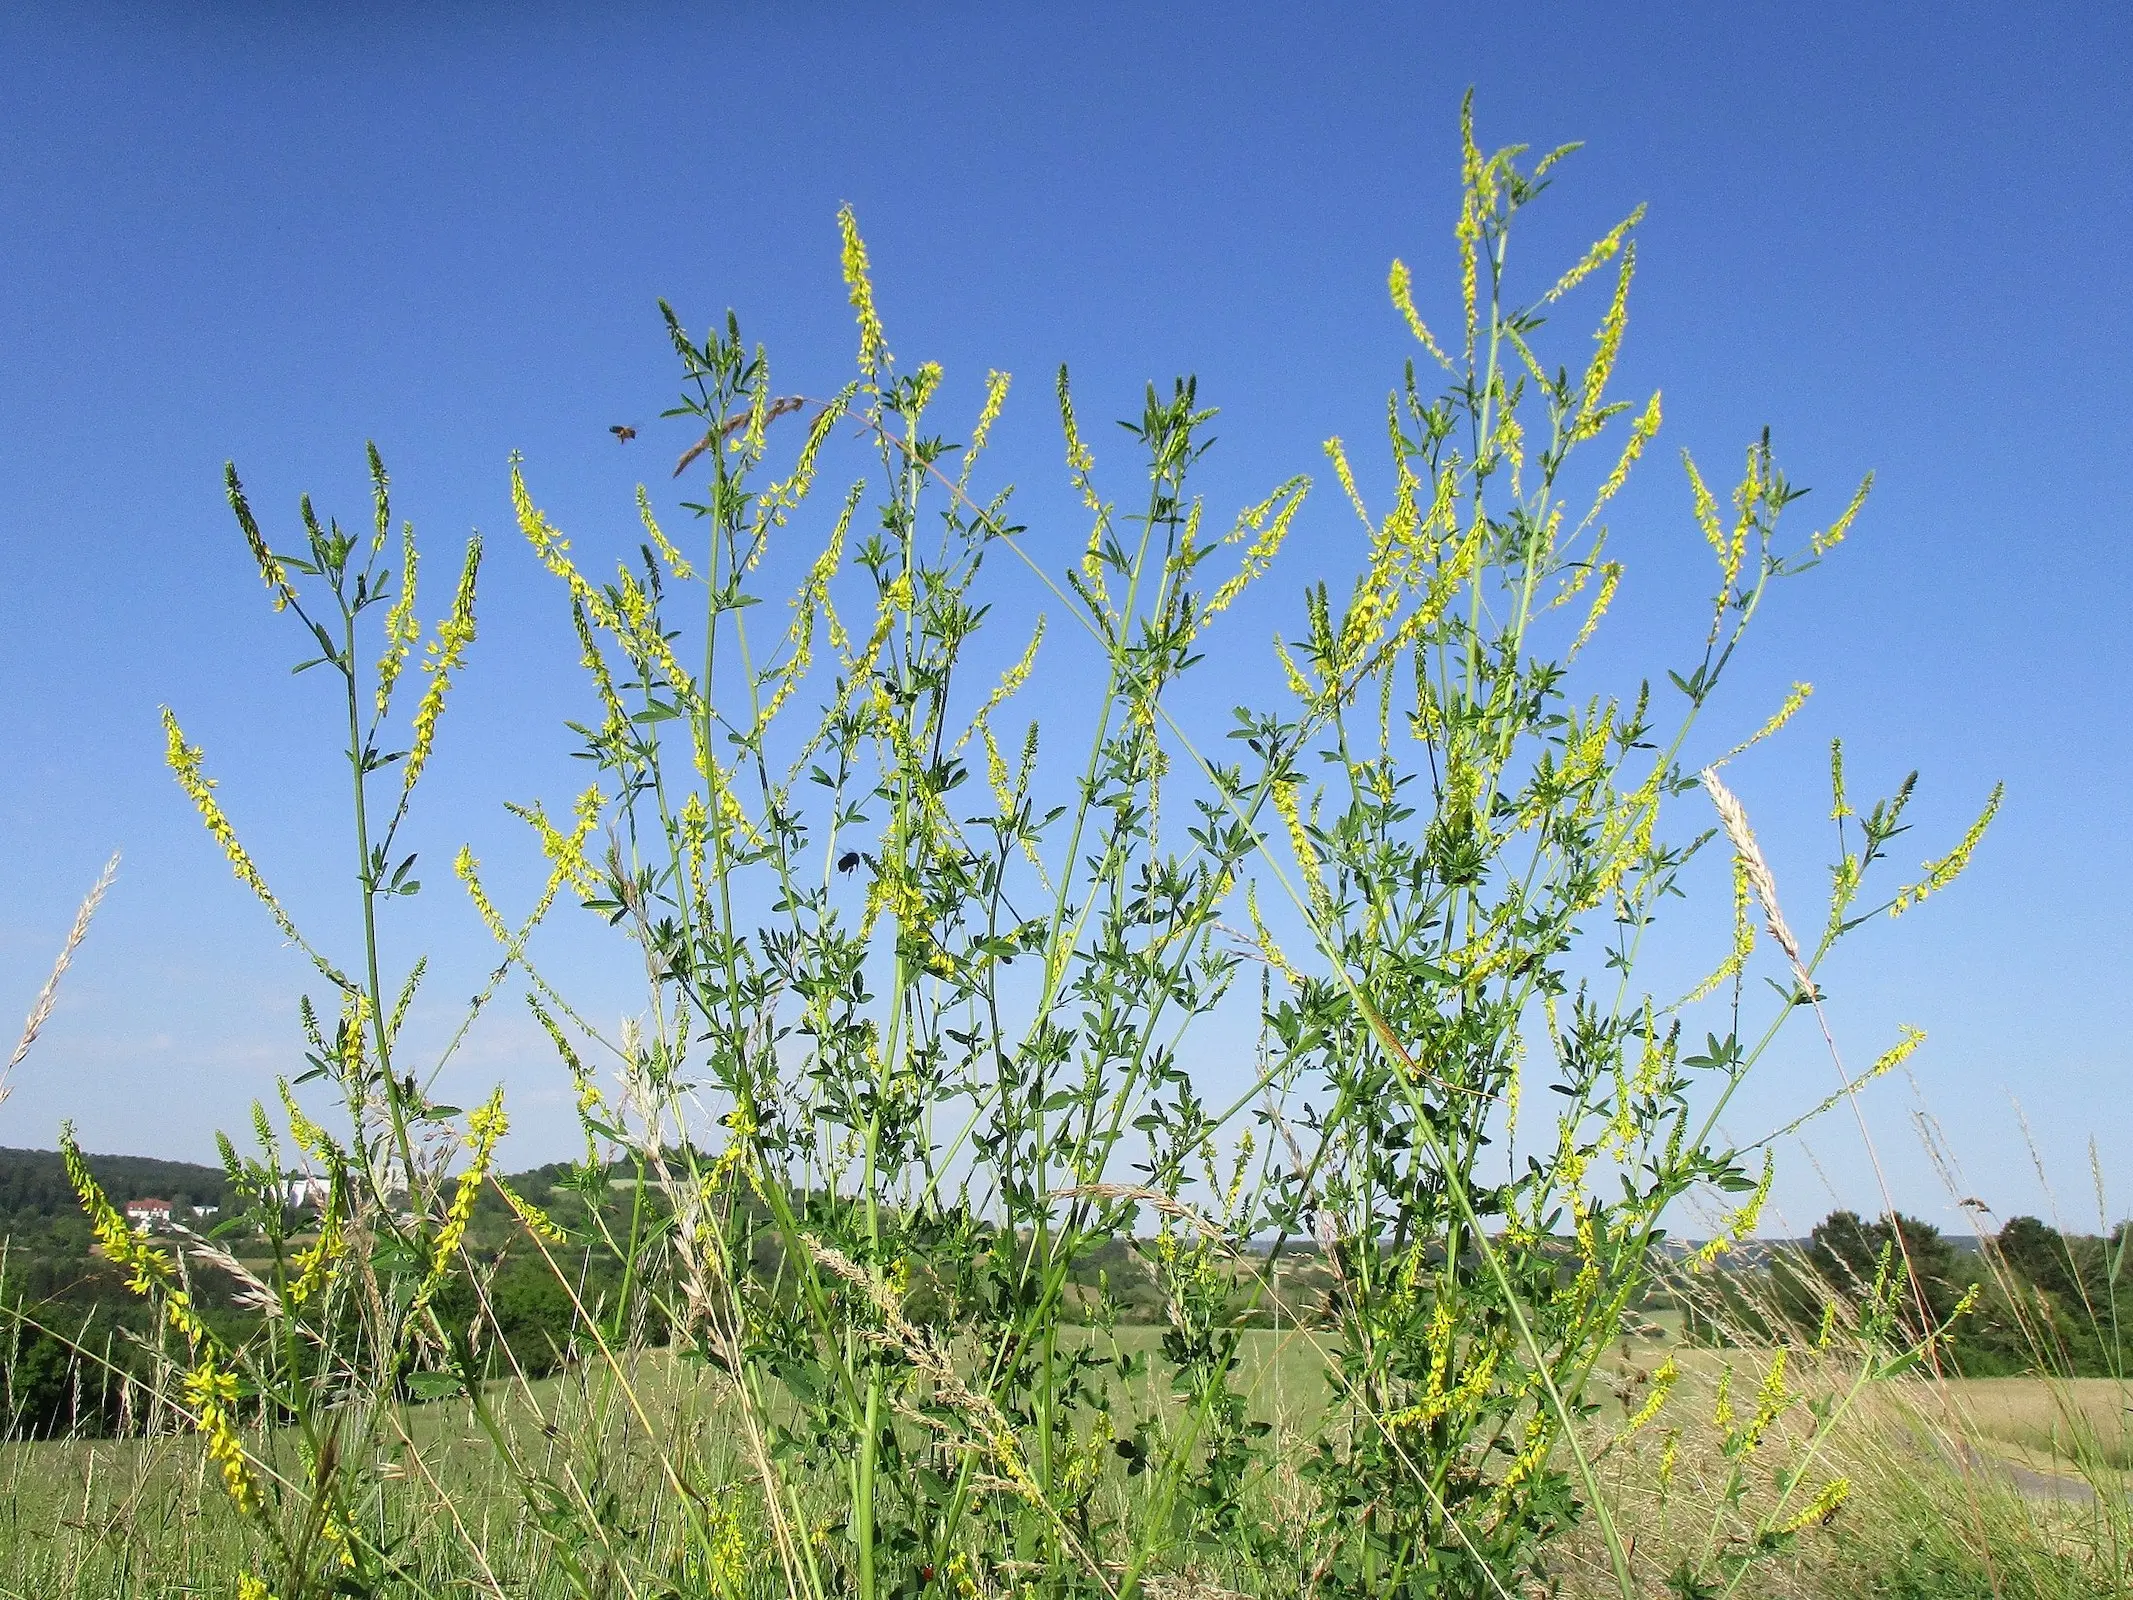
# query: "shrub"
917,1055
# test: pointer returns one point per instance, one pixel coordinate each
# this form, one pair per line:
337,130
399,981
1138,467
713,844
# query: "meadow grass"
1935,1514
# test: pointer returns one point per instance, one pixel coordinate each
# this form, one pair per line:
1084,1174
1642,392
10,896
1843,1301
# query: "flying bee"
623,432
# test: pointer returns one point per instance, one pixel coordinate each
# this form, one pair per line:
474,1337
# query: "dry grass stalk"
47,997
1734,817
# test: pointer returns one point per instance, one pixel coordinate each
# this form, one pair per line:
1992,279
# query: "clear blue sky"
1896,235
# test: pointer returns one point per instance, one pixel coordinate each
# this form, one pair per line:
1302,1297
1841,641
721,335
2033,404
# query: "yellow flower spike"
446,652
1609,583
565,852
309,1137
996,773
1742,1223
1299,685
773,505
1530,1459
758,410
1743,918
1602,252
996,384
1784,714
537,1221
1511,442
1668,1450
1285,803
676,562
1722,1405
1640,435
271,571
485,1125
1011,681
1468,231
1941,873
1908,1040
314,1266
211,1394
1839,807
1827,1329
1736,961
926,382
1265,940
1822,1507
1662,1386
1706,508
184,761
1771,1399
1337,453
873,343
1833,535
145,1264
468,870
401,627
1401,283
553,550
1609,340
1269,524
614,721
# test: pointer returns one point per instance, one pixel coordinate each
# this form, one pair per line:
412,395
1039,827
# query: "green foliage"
909,1125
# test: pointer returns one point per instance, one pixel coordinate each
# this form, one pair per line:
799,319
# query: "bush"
914,1063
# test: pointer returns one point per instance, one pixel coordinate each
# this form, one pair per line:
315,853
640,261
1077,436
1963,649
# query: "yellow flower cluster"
1602,252
772,505
537,1221
211,1395
446,652
736,1157
812,600
615,721
184,760
1268,524
401,628
1941,873
270,567
1531,1458
1770,1400
873,342
1741,1224
676,562
1401,282
1591,415
1822,1507
1472,175
1284,798
1011,682
485,1125
1784,714
1833,535
210,1392
995,397
1662,1386
1437,1397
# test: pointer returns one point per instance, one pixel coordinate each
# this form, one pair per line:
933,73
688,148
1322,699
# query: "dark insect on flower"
847,861
623,432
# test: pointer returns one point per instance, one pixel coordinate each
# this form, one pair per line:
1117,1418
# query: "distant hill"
34,1186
